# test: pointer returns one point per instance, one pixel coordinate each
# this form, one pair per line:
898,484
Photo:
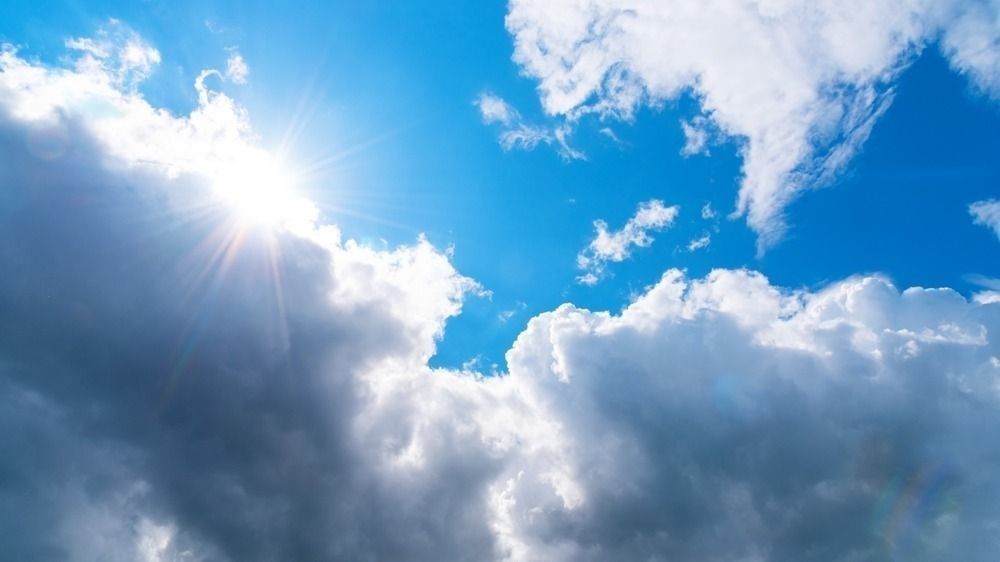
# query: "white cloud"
707,212
695,136
495,110
117,53
726,419
187,388
505,316
987,297
517,134
615,246
237,70
698,243
987,213
991,293
971,41
610,134
799,82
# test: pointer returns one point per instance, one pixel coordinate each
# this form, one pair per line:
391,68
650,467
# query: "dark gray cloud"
178,385
178,376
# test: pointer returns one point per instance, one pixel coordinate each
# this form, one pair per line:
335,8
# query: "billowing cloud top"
180,380
800,82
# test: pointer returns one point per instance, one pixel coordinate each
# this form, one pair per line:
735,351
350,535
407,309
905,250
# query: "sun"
261,192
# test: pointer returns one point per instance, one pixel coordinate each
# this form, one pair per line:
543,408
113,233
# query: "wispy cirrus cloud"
515,133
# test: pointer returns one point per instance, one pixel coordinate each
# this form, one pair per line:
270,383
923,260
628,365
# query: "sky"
535,280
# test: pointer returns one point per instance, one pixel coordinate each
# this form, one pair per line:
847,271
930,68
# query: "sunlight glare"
261,192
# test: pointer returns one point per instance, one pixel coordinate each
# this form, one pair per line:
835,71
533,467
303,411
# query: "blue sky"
376,110
389,101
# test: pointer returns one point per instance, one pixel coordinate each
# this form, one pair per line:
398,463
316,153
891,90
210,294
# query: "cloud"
698,243
987,213
495,110
178,384
696,136
725,419
616,246
237,70
117,53
707,212
504,316
798,83
608,132
517,134
189,386
971,41
987,297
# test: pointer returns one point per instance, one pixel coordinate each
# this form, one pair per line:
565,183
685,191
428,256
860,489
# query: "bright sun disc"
262,194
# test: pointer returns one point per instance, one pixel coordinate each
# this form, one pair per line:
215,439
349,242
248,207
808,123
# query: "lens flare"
258,197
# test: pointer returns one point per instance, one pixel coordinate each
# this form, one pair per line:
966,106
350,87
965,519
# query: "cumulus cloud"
725,419
987,213
192,386
799,83
616,246
515,133
181,384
